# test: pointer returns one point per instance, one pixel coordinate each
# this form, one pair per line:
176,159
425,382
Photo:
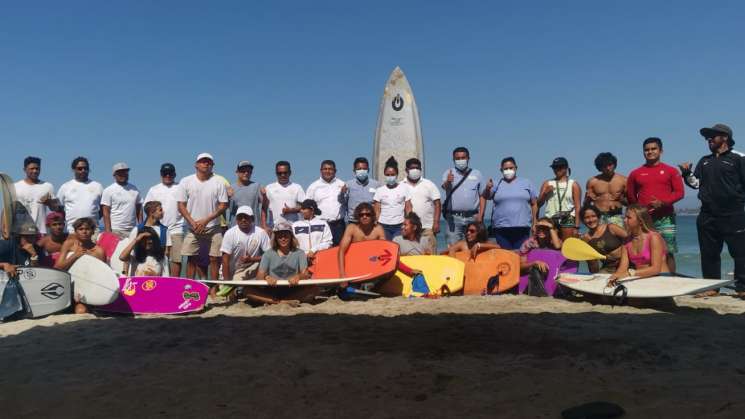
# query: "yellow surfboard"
443,274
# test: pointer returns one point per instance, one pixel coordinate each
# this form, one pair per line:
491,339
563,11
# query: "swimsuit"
605,245
645,256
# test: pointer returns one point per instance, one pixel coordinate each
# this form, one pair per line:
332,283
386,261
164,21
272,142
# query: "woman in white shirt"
392,201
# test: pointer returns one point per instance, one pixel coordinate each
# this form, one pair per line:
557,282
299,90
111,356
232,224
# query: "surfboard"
398,131
365,261
116,264
284,282
45,291
557,264
654,287
443,275
108,242
7,192
94,282
158,295
493,263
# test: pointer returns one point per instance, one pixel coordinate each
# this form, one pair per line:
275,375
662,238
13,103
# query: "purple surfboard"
557,264
158,295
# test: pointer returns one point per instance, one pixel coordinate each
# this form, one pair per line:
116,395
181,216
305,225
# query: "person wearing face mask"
358,189
281,199
392,201
463,203
425,202
514,206
720,180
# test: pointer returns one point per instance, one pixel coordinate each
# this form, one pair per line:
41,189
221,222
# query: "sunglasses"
365,214
472,230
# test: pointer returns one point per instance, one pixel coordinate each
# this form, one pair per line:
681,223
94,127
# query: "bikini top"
645,256
606,243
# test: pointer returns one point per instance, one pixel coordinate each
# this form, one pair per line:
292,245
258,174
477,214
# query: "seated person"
366,228
52,242
243,246
411,242
312,233
477,241
645,249
78,244
546,237
149,254
26,253
607,239
283,261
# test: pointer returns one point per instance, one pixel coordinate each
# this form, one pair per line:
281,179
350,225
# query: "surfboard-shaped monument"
398,132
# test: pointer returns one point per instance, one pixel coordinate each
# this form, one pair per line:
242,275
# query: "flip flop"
224,290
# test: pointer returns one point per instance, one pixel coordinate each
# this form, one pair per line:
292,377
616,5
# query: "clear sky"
147,82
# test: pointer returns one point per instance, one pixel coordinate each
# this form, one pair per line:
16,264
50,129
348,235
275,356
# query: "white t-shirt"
80,199
150,267
237,244
202,197
30,196
326,195
392,202
166,195
423,196
123,201
292,195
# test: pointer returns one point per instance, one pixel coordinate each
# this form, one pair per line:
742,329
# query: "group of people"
246,230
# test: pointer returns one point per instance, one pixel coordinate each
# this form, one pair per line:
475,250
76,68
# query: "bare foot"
80,308
291,303
706,294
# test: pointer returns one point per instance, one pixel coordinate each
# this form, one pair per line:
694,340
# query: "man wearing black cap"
562,196
720,180
164,192
245,191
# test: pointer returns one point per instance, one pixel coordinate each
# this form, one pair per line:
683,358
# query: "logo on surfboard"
385,257
28,273
53,291
397,103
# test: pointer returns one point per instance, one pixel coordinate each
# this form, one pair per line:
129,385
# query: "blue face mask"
390,180
461,164
361,175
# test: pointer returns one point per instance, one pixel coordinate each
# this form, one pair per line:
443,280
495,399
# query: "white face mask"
390,180
461,164
508,173
361,175
415,174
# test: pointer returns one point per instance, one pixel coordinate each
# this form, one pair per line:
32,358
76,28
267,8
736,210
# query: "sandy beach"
502,356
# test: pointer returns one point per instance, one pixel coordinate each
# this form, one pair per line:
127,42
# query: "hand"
477,218
547,189
544,224
77,250
286,210
29,248
199,226
436,228
272,281
230,191
10,269
475,250
245,259
294,280
45,199
344,189
451,177
311,255
489,185
142,236
613,279
656,203
542,266
267,229
685,167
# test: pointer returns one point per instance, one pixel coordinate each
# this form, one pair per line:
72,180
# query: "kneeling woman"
645,249
607,239
283,261
76,246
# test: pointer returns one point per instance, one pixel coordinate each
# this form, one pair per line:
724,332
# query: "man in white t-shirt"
81,197
281,199
425,201
243,246
327,193
165,193
36,195
202,199
121,203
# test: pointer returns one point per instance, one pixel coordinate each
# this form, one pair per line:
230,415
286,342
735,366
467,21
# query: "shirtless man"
52,242
607,190
365,229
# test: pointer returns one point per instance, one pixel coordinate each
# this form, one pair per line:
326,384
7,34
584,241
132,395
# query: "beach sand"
503,356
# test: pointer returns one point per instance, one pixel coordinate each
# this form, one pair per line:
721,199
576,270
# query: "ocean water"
687,258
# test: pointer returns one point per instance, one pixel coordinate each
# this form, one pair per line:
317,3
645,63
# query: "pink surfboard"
557,264
158,295
108,241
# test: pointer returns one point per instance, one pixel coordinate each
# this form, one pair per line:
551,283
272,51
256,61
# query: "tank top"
645,256
560,199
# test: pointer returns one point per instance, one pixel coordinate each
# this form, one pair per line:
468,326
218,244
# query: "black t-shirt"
6,253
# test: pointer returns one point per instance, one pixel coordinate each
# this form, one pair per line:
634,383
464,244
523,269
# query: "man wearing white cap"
121,203
243,246
202,198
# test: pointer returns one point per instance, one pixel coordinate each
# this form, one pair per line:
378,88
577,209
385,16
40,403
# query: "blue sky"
148,82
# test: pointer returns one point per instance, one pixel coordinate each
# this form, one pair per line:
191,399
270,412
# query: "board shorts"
567,222
667,228
211,238
612,217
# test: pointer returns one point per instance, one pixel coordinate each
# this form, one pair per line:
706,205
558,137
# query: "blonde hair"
645,220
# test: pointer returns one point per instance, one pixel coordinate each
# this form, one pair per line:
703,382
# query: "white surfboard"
284,282
94,282
45,290
653,287
116,264
398,132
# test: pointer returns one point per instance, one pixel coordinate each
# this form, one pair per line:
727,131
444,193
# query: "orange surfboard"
371,259
489,264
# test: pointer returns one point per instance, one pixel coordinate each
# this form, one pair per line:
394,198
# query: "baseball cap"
717,129
167,168
245,163
282,226
559,162
54,216
245,209
309,203
119,166
204,156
